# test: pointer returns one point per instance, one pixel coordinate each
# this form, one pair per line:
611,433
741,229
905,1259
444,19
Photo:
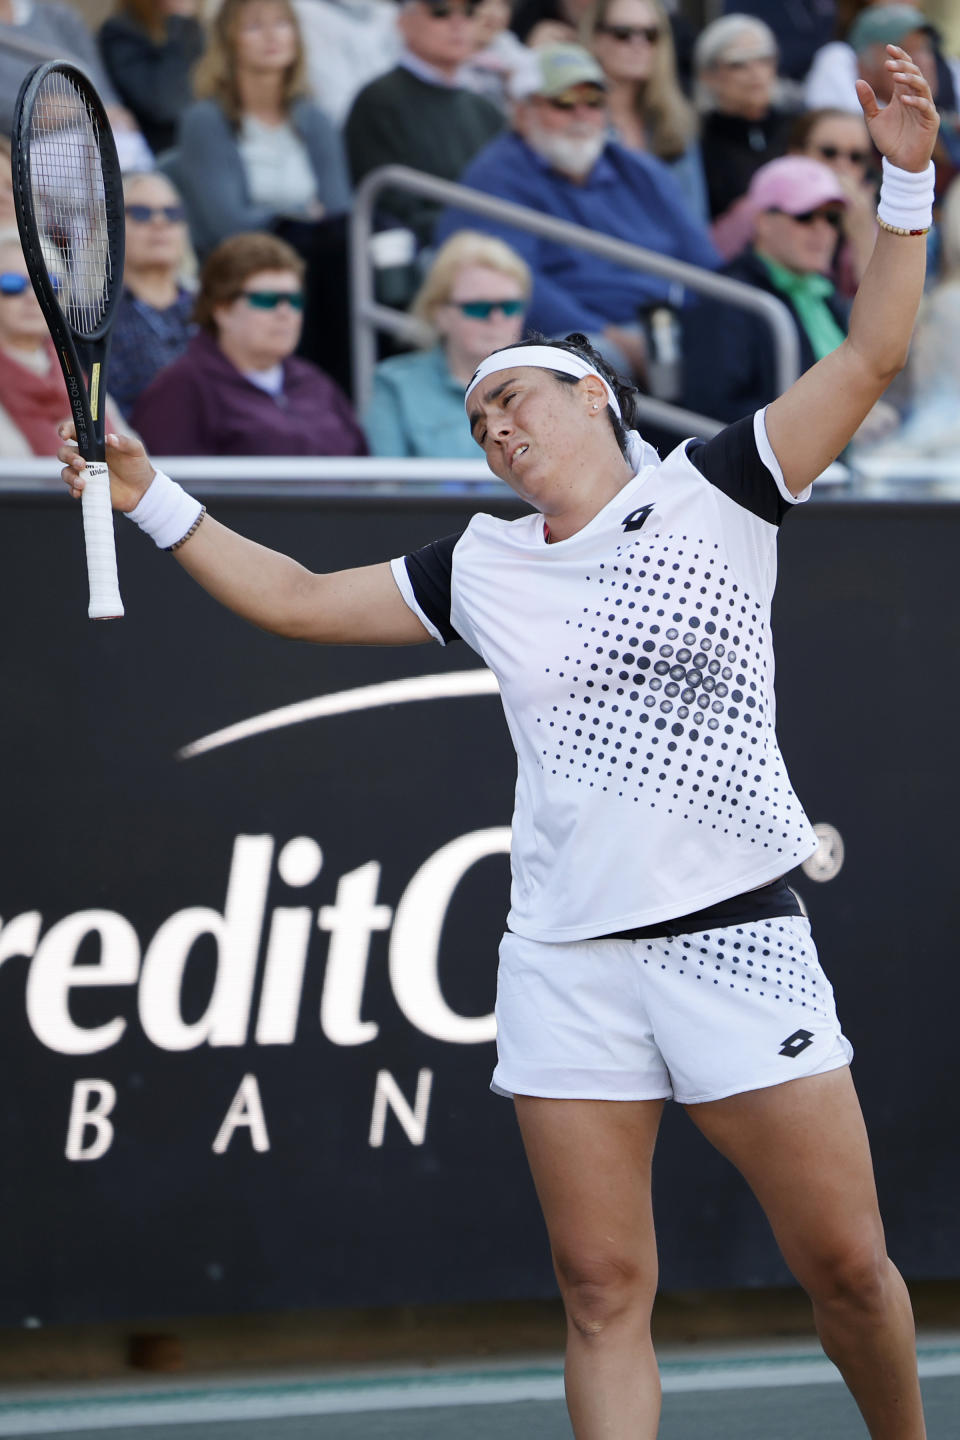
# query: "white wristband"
166,512
906,198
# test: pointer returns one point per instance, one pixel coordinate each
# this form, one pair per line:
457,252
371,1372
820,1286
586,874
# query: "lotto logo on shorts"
796,1043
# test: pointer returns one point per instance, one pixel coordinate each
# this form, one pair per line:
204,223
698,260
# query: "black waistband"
764,904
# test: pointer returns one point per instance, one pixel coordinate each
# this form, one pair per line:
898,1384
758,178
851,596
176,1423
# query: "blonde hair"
466,247
668,117
215,77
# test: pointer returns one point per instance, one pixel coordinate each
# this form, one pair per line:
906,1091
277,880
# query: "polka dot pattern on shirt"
666,695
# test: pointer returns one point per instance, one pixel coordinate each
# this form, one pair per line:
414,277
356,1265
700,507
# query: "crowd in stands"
244,127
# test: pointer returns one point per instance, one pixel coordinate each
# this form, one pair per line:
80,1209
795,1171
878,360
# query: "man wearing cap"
838,66
796,204
419,114
559,159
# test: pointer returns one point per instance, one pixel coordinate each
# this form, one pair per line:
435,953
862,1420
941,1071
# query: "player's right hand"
130,470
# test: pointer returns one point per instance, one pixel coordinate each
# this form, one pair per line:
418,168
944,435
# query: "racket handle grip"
105,602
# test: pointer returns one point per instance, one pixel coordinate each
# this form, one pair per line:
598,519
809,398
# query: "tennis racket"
69,203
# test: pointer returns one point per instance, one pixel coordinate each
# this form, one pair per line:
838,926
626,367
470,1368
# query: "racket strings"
70,201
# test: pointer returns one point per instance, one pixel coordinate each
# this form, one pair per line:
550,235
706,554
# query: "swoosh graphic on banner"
457,685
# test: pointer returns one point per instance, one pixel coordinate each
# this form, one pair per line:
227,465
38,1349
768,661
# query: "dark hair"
626,393
227,269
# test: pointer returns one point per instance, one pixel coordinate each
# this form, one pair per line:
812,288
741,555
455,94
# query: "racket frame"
82,355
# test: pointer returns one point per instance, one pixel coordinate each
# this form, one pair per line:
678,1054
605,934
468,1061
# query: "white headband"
544,357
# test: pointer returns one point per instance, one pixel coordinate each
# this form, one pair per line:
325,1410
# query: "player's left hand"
905,131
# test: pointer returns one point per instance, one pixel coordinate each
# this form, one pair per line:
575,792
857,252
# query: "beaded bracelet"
184,538
899,230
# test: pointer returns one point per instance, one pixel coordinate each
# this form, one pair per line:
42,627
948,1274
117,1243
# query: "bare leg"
803,1149
591,1165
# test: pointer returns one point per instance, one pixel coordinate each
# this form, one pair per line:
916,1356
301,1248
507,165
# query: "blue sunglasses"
13,284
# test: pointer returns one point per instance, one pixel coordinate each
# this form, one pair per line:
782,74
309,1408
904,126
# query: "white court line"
339,1397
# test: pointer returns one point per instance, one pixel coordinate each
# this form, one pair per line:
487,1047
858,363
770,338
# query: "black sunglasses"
834,152
627,33
833,217
443,12
143,214
595,102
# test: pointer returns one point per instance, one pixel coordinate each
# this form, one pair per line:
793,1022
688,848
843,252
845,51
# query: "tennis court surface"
784,1392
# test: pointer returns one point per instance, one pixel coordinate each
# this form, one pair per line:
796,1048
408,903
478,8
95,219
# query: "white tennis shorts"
692,1017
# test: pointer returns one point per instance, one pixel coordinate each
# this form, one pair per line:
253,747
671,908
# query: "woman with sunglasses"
840,139
472,302
792,212
152,324
652,940
633,41
238,389
33,398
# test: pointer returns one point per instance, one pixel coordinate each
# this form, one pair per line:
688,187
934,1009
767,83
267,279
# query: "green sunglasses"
483,309
270,299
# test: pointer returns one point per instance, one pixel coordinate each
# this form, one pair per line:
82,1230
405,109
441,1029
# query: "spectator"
33,397
560,160
837,67
152,324
633,41
471,303
728,352
238,389
419,114
8,215
253,150
36,30
841,140
735,59
348,43
149,48
799,30
498,53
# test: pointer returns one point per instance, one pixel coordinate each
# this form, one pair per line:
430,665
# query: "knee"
600,1293
851,1276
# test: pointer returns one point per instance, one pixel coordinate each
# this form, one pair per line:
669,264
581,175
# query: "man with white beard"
559,158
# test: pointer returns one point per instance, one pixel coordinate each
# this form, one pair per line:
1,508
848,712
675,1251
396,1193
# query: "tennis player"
653,949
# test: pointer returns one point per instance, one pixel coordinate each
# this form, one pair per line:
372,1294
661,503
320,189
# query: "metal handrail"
367,316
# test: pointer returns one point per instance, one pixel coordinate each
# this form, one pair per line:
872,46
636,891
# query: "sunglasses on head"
483,309
626,33
833,217
270,299
143,214
835,152
13,284
562,102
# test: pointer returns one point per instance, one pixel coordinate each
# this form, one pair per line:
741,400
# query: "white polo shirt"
635,667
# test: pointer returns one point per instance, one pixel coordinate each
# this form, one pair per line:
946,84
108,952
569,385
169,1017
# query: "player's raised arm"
811,423
361,606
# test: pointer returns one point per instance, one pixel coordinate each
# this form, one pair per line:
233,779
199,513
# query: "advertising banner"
251,903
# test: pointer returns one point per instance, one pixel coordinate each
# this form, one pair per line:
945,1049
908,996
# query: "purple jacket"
202,405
